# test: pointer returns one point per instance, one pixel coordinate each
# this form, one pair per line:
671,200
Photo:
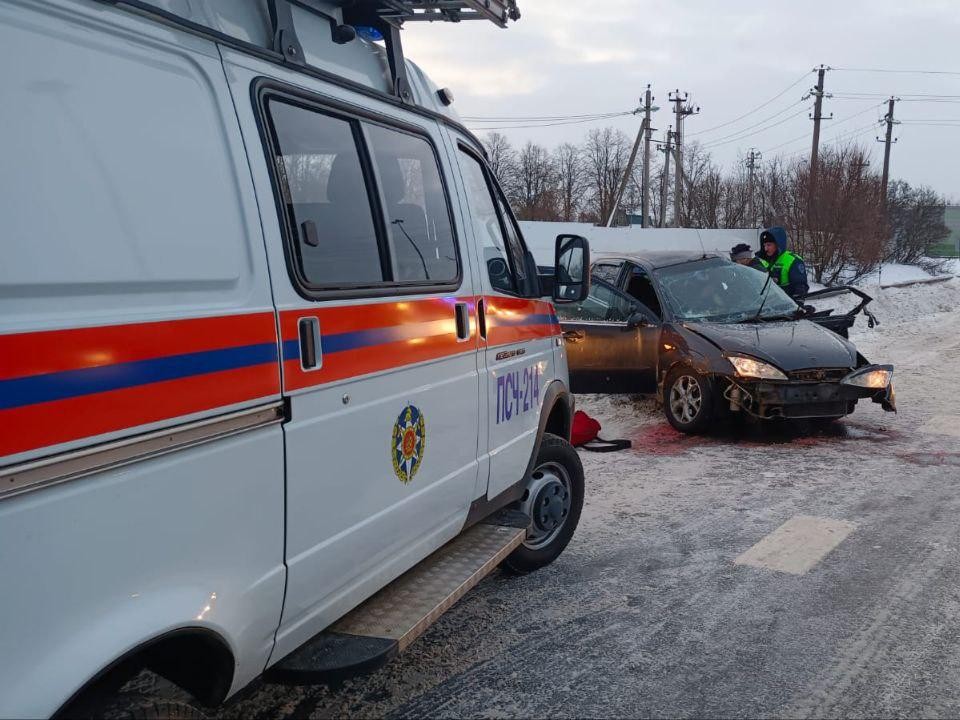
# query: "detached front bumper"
805,399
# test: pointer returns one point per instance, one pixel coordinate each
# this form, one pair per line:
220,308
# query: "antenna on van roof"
388,16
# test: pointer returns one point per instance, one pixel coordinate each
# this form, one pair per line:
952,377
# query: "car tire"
554,501
688,400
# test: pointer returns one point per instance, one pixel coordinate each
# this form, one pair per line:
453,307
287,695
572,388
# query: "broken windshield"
716,290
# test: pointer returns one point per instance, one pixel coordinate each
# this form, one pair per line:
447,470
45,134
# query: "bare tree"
916,217
534,186
500,156
605,158
568,162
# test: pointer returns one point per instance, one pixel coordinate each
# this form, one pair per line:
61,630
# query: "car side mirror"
571,269
639,319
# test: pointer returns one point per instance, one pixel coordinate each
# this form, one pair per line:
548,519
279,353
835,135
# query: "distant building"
951,218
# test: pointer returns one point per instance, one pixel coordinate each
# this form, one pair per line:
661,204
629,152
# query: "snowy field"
653,609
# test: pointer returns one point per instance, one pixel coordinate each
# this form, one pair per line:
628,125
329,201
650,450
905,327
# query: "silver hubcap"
686,399
548,504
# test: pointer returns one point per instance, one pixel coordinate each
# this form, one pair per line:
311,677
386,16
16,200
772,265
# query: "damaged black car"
711,337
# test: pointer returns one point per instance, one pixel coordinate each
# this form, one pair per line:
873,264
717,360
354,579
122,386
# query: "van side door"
378,336
518,329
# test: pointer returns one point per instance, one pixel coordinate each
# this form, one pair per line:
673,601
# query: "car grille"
819,375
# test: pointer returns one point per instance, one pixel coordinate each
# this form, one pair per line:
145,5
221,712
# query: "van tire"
134,706
558,458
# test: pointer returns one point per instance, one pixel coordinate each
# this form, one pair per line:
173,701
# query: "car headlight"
875,377
749,367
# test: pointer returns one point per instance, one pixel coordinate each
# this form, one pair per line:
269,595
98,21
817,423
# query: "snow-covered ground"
647,613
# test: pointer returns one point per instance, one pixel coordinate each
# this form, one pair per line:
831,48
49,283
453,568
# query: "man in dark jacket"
786,268
743,255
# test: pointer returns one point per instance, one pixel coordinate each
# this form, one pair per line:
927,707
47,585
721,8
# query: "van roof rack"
499,12
388,16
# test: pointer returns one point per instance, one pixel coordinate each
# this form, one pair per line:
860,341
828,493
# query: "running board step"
377,631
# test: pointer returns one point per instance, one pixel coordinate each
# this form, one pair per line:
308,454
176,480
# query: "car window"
607,271
422,245
488,226
717,290
604,303
640,288
323,186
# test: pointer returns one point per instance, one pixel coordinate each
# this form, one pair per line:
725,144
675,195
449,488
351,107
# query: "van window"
323,185
488,226
422,246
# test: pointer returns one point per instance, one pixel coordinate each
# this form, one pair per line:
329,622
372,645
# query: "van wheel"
134,706
688,400
554,500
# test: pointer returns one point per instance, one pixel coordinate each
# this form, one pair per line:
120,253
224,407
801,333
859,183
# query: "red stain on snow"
664,440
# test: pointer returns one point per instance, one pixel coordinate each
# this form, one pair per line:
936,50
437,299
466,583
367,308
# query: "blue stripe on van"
525,320
354,340
18,392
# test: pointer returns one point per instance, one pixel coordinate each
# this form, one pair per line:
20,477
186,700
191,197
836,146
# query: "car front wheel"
688,400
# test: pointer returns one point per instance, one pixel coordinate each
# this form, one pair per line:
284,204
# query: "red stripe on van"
51,423
49,351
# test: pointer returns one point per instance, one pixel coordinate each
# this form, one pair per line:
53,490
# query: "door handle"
573,336
311,354
462,314
482,318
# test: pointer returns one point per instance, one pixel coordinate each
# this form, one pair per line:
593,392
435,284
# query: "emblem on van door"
409,441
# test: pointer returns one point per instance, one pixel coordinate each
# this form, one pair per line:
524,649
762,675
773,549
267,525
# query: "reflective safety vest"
783,263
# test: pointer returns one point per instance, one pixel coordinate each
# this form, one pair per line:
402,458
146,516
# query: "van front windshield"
716,290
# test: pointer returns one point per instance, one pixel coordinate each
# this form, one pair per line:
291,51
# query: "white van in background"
271,348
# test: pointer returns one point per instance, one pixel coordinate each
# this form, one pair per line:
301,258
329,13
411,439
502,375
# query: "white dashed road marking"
797,545
942,425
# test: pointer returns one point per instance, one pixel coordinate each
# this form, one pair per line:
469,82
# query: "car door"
378,335
604,341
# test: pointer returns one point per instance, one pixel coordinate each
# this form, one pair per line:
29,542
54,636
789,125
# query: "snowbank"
905,304
541,237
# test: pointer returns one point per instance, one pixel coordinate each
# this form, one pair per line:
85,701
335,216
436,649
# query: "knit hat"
741,252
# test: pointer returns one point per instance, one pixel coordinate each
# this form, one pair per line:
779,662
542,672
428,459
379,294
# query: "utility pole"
753,157
627,172
887,142
644,134
666,149
645,201
818,95
681,110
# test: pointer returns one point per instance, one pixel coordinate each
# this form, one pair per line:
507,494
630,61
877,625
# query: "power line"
549,124
759,107
897,71
527,118
934,124
864,95
750,127
718,143
846,135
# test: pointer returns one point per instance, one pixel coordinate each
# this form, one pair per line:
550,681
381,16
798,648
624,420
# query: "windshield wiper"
763,300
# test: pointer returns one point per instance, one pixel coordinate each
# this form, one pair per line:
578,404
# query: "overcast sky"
562,60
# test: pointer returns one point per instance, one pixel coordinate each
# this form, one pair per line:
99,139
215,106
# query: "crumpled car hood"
790,345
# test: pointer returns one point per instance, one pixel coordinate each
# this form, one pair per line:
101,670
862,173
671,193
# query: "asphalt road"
648,614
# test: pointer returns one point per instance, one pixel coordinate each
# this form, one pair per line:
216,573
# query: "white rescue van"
279,379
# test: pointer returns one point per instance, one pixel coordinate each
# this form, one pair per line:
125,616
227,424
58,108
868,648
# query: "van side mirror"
571,269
